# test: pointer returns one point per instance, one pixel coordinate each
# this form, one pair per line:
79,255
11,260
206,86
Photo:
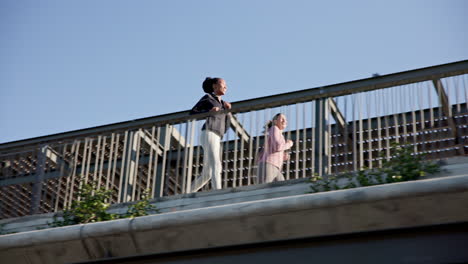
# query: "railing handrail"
361,85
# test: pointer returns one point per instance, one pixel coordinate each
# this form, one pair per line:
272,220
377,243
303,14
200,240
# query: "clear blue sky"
67,65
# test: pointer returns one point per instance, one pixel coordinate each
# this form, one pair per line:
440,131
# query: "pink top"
273,152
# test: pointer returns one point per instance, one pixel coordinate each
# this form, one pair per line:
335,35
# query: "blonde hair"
269,124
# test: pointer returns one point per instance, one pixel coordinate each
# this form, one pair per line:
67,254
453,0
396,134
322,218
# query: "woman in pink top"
272,157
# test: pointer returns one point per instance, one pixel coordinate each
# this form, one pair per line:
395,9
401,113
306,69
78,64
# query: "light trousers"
268,173
212,167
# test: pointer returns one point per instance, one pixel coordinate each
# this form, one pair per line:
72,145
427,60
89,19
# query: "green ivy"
90,207
92,204
142,207
404,165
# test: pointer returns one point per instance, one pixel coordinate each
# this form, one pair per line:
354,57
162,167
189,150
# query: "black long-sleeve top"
216,122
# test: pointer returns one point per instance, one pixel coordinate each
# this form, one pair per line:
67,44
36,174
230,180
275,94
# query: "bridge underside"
428,244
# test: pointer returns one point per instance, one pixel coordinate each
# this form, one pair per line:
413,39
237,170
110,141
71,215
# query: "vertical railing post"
191,146
165,141
321,136
39,180
125,168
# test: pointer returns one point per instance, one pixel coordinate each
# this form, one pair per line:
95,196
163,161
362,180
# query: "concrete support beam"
153,143
53,156
340,120
238,128
337,115
177,136
447,111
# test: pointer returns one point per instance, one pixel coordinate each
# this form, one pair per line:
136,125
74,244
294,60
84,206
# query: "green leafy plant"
92,204
90,207
321,184
142,207
403,165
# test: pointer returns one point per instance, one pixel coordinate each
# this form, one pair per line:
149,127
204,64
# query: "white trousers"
212,167
268,173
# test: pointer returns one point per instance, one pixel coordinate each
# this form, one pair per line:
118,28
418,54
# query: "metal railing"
335,128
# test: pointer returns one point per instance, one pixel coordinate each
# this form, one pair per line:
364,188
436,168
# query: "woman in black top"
212,131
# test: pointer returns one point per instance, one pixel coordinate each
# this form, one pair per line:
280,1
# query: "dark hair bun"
208,85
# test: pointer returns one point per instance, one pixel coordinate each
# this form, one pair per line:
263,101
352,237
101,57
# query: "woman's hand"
290,142
227,105
215,109
285,156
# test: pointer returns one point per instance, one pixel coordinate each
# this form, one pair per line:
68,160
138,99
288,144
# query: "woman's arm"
203,106
277,141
